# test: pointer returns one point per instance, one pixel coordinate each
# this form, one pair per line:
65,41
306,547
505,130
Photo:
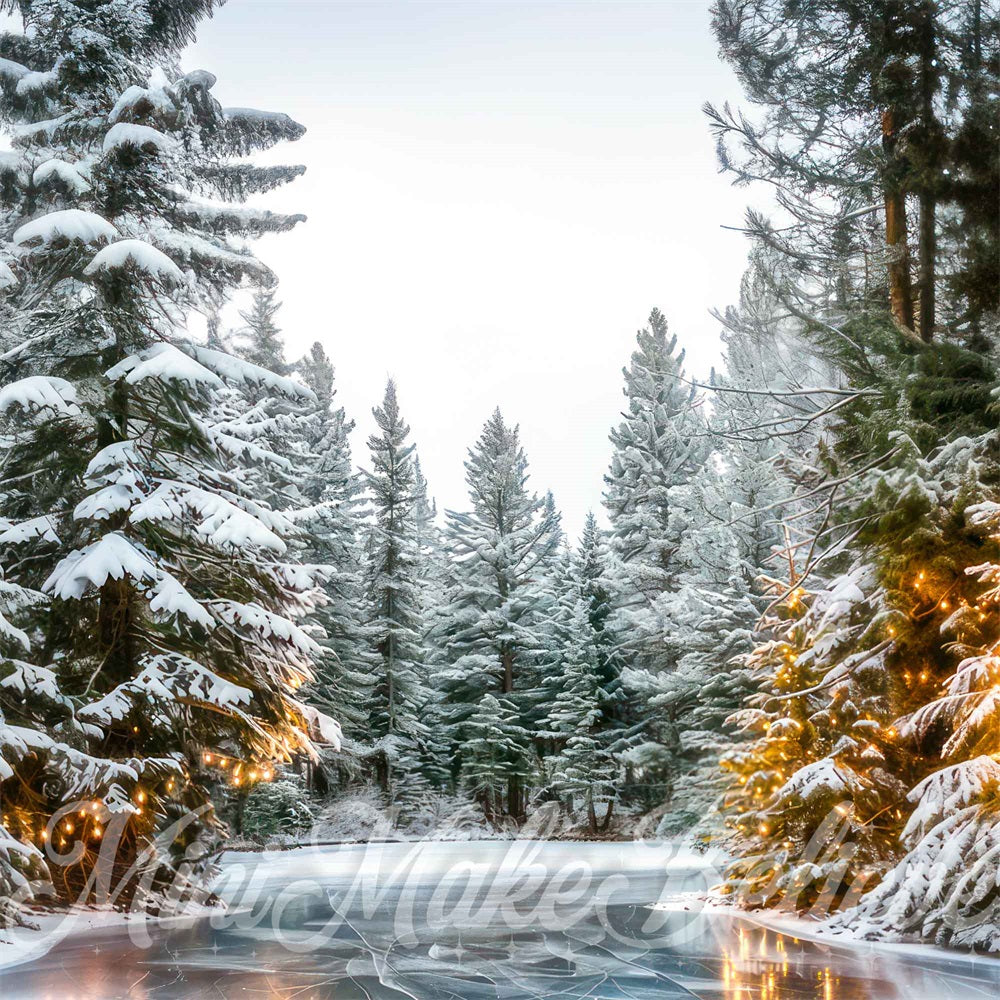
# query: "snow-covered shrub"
280,808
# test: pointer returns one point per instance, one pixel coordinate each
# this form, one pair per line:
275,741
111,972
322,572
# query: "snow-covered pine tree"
167,632
812,797
393,581
495,755
594,571
260,339
331,522
582,770
945,886
433,567
494,625
693,643
659,447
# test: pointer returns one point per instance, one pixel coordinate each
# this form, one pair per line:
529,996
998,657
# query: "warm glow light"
208,758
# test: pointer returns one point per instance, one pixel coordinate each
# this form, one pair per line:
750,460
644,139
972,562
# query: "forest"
221,623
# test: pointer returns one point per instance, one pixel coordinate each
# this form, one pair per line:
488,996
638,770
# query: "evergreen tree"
813,793
658,448
596,575
495,755
166,638
870,113
393,585
494,624
331,521
262,342
582,771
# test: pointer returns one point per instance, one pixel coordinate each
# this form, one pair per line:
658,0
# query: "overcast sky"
497,194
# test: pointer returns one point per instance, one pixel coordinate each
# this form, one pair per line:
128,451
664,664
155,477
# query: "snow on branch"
167,678
164,363
111,557
40,392
140,136
71,225
138,255
236,370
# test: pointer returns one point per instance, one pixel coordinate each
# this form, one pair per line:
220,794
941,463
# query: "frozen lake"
471,921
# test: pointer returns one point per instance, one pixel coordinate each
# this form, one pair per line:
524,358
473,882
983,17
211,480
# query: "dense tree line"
799,573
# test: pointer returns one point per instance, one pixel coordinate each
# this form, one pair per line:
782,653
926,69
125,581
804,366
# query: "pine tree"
813,792
869,113
166,635
494,624
495,755
393,585
658,448
593,567
944,888
331,520
262,343
582,771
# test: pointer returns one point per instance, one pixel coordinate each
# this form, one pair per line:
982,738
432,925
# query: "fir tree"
813,794
262,342
331,520
494,625
495,755
167,633
582,770
658,448
593,564
393,585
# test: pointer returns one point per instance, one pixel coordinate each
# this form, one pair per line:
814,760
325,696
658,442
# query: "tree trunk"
114,629
928,256
927,241
900,287
515,807
383,771
607,815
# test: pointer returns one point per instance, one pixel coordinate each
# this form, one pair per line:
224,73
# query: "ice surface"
480,921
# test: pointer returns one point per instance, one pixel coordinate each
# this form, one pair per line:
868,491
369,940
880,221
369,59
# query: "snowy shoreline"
808,929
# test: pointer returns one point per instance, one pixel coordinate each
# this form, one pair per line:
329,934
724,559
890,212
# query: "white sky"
497,193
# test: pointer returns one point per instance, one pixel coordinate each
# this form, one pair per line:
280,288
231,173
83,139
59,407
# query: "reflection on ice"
483,920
